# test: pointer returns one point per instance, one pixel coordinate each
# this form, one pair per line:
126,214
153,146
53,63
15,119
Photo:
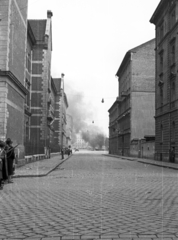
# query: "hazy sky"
90,39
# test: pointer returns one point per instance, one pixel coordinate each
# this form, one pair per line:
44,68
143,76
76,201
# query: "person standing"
1,180
62,153
10,159
172,155
4,170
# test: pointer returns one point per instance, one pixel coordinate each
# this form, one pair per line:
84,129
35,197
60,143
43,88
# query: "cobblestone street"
92,196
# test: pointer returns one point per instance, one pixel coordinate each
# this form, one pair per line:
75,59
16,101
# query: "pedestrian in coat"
10,159
1,185
62,153
4,170
172,155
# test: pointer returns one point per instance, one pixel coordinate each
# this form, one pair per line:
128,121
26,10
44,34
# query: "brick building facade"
32,106
165,19
13,28
39,49
135,105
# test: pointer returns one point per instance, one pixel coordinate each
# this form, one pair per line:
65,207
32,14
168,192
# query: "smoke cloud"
83,114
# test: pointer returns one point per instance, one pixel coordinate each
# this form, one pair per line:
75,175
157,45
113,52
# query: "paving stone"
92,197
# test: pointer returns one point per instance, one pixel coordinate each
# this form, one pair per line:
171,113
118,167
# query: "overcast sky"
90,39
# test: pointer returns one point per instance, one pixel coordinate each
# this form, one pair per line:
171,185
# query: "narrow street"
92,196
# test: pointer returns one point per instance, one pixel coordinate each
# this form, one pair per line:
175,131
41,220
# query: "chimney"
49,14
62,81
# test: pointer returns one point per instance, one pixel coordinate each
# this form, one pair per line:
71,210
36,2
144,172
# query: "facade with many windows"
13,41
165,19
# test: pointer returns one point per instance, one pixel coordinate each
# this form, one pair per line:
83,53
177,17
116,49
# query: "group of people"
7,161
67,150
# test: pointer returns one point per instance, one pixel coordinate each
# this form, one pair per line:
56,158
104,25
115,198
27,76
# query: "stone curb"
43,174
144,161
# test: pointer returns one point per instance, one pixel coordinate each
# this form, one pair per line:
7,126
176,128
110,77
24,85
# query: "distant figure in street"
172,155
62,153
68,151
10,159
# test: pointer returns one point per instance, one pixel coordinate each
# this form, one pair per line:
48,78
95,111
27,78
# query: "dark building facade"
13,40
165,19
135,105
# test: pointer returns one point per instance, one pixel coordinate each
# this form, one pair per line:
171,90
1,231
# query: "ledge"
12,77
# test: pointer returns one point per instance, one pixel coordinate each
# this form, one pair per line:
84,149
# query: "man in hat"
10,159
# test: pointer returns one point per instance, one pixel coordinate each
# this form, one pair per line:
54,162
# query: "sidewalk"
148,161
40,168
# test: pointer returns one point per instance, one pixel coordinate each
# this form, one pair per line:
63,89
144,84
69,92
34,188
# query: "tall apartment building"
135,105
39,102
60,123
13,41
165,19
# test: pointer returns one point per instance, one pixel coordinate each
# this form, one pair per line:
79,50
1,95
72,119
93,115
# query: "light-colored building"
135,105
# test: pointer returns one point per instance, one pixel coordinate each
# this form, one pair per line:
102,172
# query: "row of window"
172,131
172,58
167,25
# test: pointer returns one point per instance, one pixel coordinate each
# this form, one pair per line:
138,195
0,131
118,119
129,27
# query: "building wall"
17,38
136,100
143,112
113,128
166,81
4,34
143,149
13,28
143,91
42,111
124,122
